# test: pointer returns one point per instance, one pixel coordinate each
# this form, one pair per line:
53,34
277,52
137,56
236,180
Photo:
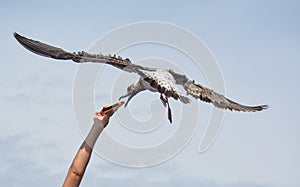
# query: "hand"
101,117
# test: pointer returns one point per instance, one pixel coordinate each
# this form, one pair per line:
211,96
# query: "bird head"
132,90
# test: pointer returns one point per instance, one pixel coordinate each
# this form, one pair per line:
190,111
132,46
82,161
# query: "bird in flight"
164,81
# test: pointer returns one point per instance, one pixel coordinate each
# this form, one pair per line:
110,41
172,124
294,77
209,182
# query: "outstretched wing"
79,57
205,94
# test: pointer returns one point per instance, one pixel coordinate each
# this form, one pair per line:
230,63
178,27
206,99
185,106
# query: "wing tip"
264,107
17,36
257,108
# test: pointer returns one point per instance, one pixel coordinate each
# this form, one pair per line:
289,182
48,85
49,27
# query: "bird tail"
184,99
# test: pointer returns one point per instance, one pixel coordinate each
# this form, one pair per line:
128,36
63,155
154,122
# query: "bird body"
164,81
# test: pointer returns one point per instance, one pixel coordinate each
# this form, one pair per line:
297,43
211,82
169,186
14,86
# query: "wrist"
103,123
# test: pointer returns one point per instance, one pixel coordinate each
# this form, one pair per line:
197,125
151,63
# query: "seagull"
164,81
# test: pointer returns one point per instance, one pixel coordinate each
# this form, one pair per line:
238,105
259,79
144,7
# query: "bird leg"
169,111
163,100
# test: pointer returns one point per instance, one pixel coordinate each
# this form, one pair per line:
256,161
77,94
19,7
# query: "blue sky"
256,44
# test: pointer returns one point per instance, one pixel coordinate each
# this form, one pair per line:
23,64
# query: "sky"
256,46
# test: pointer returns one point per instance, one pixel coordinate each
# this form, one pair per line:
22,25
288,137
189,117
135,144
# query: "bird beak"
129,98
129,95
126,95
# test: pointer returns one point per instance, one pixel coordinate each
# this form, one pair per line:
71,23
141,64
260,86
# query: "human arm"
81,160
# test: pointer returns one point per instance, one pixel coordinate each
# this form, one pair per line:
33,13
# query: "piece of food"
108,108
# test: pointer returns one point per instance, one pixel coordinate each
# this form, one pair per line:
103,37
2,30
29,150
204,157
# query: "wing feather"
79,57
218,100
207,95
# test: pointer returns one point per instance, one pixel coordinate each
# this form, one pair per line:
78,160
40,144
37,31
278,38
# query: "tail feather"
184,99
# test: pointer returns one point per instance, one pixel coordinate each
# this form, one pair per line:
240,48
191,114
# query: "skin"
81,160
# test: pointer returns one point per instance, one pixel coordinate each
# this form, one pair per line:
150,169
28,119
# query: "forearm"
80,162
94,133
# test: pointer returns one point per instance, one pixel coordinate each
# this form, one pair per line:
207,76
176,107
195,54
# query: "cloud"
18,164
163,175
160,176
